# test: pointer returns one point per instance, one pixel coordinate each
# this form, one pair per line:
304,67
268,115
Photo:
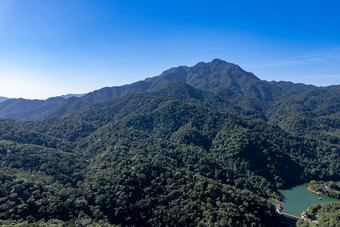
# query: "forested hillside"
197,146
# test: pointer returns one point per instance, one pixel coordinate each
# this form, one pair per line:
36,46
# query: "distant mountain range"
27,109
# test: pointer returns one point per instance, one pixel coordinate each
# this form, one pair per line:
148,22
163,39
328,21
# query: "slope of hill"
96,115
25,109
2,99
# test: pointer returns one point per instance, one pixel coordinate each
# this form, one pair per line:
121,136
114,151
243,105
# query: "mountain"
222,78
196,146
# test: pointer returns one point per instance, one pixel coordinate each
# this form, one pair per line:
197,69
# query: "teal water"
298,199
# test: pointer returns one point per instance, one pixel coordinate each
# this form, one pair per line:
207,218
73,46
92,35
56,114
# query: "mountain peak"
215,62
219,61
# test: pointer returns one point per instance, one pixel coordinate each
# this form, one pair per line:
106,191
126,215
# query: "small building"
278,208
304,215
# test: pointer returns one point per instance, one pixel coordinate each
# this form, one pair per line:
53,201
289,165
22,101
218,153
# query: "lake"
297,199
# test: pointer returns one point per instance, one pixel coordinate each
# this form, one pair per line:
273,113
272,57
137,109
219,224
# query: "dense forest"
196,146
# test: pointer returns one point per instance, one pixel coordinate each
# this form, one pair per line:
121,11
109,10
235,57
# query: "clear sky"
54,47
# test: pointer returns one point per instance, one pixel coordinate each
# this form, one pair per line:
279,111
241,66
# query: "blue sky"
55,47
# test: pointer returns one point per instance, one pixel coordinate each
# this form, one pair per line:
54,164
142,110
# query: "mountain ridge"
220,77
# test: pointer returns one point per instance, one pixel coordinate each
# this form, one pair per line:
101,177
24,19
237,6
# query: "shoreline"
321,193
278,201
311,190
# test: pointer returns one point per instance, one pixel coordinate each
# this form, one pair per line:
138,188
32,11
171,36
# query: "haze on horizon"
50,48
